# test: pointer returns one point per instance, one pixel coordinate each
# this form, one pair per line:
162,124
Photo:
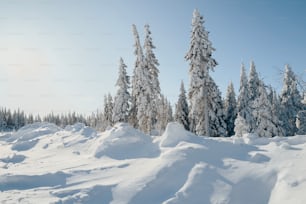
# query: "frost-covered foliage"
230,106
203,94
122,98
151,64
108,110
262,112
253,94
290,102
164,116
243,98
241,126
181,110
141,93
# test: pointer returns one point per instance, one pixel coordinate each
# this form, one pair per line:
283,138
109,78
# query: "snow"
42,163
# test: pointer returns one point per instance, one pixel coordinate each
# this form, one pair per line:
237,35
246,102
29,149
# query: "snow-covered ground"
42,163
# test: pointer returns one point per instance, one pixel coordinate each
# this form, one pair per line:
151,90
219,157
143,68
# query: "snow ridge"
42,163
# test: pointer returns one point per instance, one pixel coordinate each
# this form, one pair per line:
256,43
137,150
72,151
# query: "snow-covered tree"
301,119
253,94
164,115
290,102
230,106
151,64
141,112
275,112
181,110
262,112
108,110
217,125
243,98
122,98
241,126
136,79
201,62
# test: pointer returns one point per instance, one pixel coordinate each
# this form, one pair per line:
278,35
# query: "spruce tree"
242,103
122,98
253,94
151,64
201,62
290,102
181,110
141,91
136,80
262,112
301,119
230,106
108,110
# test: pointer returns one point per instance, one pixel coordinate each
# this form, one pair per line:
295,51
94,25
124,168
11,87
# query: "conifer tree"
141,115
122,98
201,62
181,110
290,102
253,94
108,110
136,80
151,64
262,112
230,106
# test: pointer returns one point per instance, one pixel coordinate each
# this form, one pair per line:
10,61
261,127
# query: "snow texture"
123,165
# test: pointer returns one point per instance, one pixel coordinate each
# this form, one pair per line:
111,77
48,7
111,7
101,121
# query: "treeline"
13,120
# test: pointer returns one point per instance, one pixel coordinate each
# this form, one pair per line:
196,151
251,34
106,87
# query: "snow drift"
42,163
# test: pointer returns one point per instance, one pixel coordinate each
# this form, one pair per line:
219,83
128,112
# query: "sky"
63,55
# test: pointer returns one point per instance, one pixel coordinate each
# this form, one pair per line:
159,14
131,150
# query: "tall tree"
201,62
253,94
230,106
141,114
136,80
151,64
264,126
122,98
242,103
181,110
290,102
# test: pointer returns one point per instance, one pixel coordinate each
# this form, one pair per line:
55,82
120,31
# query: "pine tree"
136,80
108,110
242,103
301,119
181,110
217,125
241,126
122,98
253,94
290,102
201,62
141,111
164,115
262,112
275,113
230,109
152,63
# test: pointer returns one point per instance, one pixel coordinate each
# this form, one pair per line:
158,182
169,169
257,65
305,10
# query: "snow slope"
42,163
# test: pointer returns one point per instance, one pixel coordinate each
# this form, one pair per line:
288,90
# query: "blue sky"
63,55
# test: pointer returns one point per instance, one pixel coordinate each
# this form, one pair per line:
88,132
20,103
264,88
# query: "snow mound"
32,131
82,129
124,142
176,133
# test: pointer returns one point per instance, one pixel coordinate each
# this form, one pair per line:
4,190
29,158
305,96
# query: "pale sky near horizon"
63,55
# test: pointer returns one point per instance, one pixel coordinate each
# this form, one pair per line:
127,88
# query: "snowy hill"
42,163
